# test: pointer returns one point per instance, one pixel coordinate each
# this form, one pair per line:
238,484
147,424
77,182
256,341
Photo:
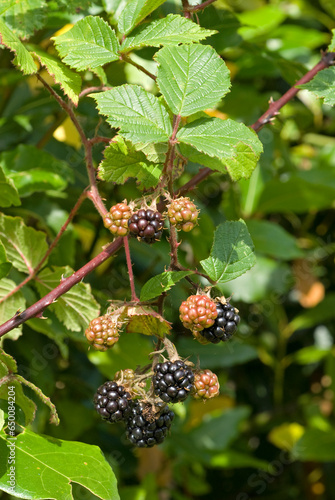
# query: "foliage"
111,100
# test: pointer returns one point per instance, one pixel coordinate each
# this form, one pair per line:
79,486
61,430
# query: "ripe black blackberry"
146,225
145,432
224,326
112,402
172,381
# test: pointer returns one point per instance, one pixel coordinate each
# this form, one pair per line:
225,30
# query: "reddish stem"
186,7
88,90
327,60
134,297
65,285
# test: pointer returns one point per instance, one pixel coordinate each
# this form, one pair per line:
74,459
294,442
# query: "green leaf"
9,194
8,361
323,85
69,81
53,412
24,246
5,266
315,446
32,169
24,59
11,305
216,433
235,145
273,240
331,47
191,77
140,116
223,355
171,30
155,153
308,355
2,419
122,161
134,12
89,44
232,252
77,307
27,406
320,314
161,283
46,467
24,17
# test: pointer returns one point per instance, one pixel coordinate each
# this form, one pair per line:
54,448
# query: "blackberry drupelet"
143,431
172,381
112,402
146,225
224,326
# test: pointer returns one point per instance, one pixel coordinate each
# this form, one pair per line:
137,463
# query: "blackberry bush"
117,218
146,225
145,430
112,402
206,385
172,381
198,312
183,214
224,326
103,332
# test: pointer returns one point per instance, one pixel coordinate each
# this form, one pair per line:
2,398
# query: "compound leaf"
89,44
49,466
23,59
232,252
161,283
24,246
122,161
172,30
134,12
191,77
139,115
77,307
233,146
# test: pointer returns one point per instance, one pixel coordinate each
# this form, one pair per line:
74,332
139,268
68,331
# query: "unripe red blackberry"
112,402
117,219
103,332
146,225
145,432
172,381
224,326
206,385
198,312
183,214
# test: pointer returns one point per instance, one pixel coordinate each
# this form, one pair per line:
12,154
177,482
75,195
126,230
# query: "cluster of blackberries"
146,225
143,429
172,381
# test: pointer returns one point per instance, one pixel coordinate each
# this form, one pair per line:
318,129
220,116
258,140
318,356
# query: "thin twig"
88,90
93,194
201,6
127,59
66,284
186,6
134,297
